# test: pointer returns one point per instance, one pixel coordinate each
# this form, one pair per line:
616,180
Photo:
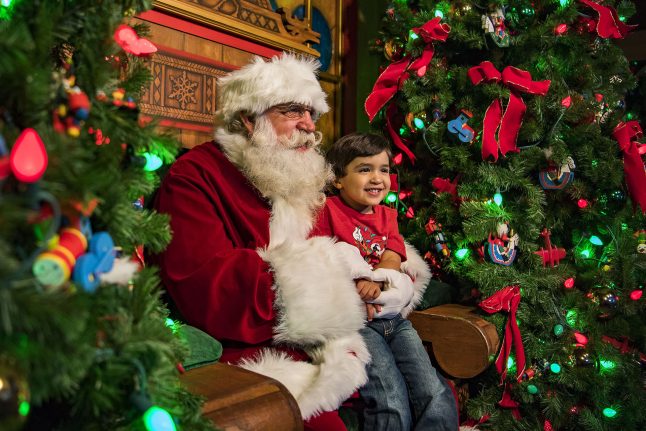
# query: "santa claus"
241,265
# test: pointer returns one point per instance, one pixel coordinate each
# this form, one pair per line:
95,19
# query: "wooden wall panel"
190,58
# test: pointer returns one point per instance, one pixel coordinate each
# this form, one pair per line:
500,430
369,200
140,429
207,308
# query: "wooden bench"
460,342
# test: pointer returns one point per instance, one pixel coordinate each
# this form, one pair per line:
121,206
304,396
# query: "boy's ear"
337,184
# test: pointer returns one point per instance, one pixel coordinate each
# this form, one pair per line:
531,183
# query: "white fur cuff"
351,255
316,298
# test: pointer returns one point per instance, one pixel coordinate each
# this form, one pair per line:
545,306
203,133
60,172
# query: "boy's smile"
366,182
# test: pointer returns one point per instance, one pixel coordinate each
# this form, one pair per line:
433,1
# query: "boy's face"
365,183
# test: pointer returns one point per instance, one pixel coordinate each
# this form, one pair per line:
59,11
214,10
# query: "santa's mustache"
301,139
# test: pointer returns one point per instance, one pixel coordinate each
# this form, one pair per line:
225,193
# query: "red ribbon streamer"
626,135
623,346
507,299
390,113
397,73
507,125
507,402
608,25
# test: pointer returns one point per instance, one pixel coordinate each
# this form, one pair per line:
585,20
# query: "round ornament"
14,398
608,300
583,358
393,50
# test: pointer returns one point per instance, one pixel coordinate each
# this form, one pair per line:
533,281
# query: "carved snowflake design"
183,89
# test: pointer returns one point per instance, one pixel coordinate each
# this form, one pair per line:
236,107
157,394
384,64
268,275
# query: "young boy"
404,391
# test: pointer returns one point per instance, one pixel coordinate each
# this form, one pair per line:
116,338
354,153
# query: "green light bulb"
391,197
402,131
571,317
511,363
439,13
609,412
497,198
153,162
558,330
555,368
419,123
532,389
462,253
586,253
23,408
607,365
564,3
412,35
158,419
596,240
171,324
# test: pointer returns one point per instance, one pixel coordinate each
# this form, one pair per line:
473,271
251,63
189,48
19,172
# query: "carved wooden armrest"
461,341
238,399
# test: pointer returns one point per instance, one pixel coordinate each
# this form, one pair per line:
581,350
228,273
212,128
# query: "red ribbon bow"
397,73
507,299
507,125
608,25
626,135
391,79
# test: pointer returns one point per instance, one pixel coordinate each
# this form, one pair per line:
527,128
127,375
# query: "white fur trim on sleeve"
419,272
351,255
337,371
316,298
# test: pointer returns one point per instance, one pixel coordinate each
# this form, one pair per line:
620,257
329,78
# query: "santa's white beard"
281,168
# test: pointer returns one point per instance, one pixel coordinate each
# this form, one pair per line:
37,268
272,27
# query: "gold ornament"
392,50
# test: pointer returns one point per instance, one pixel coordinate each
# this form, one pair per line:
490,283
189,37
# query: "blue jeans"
404,391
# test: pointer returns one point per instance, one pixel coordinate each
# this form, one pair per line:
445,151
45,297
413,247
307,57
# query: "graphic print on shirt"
370,244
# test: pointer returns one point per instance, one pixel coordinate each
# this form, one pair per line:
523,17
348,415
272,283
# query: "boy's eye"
364,169
385,170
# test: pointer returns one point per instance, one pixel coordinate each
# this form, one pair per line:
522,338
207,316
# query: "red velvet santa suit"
227,279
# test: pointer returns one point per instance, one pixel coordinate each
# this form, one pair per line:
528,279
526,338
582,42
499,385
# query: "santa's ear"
249,121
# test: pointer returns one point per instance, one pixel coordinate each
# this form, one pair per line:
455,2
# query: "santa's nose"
306,123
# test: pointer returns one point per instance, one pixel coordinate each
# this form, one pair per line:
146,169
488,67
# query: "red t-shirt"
370,233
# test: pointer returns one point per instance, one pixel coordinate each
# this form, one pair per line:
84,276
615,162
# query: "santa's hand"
398,295
359,268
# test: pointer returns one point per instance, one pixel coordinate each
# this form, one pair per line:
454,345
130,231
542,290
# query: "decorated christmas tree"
84,342
522,176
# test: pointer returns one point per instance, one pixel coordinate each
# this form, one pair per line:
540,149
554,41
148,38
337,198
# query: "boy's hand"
372,309
368,290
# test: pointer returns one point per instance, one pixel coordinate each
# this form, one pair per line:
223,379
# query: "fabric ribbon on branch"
507,125
626,135
507,299
608,25
392,79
